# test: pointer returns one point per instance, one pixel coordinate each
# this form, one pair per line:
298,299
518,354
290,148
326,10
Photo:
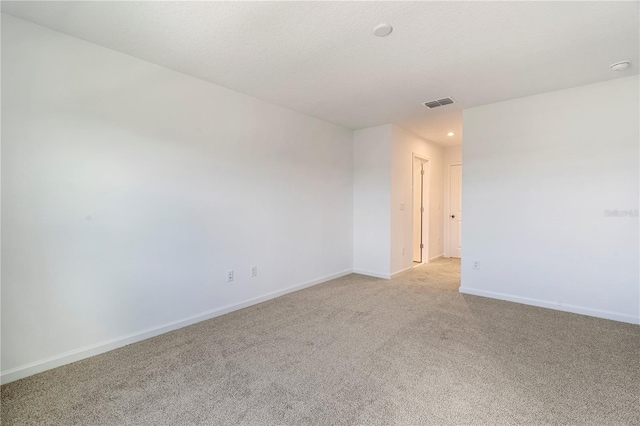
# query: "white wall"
452,155
404,145
372,201
539,173
128,190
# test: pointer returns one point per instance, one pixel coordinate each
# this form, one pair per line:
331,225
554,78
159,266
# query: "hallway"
441,273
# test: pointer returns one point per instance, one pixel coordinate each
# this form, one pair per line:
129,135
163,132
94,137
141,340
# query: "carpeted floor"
356,350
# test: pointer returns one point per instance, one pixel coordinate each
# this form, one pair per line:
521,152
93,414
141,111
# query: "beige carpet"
356,350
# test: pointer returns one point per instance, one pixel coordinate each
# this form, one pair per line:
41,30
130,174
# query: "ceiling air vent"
438,103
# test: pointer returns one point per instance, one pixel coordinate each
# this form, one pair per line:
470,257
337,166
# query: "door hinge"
422,209
421,245
422,172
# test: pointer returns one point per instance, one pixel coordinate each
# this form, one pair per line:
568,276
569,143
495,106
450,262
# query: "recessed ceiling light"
382,30
620,66
450,134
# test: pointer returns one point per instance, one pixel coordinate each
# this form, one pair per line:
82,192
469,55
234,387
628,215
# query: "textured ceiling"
321,59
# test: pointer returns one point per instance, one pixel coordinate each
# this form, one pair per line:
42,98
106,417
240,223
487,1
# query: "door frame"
425,203
447,210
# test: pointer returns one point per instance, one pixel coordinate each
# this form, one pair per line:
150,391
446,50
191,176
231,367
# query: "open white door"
418,190
455,210
420,210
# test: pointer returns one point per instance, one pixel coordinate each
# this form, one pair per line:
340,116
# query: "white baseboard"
395,274
102,347
436,257
372,274
553,305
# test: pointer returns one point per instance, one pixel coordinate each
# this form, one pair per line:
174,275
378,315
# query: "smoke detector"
438,103
382,30
620,66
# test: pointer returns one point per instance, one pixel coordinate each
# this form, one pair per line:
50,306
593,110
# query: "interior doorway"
420,210
455,210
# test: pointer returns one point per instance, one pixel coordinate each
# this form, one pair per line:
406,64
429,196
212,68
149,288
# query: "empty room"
251,213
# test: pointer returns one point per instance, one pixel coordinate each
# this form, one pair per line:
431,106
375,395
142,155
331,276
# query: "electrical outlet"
476,265
254,271
229,276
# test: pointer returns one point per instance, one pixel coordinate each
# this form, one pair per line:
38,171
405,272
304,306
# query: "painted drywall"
320,57
452,155
540,174
404,146
372,201
128,191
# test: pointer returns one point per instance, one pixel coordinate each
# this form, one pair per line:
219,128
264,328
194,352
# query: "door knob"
453,216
